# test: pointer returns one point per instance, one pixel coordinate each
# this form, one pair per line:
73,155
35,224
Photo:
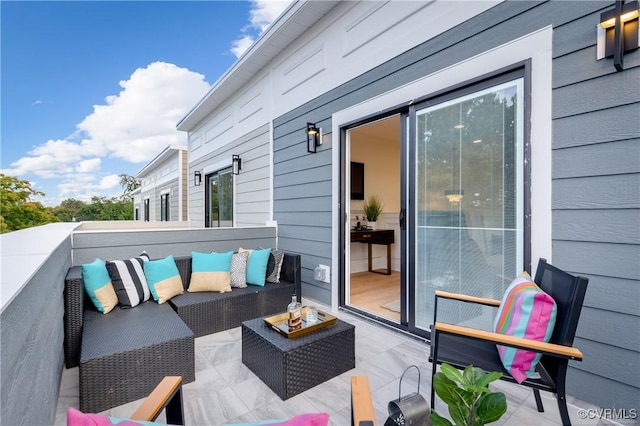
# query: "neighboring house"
162,195
490,130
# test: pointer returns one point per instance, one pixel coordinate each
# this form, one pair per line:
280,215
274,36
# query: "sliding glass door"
468,209
219,199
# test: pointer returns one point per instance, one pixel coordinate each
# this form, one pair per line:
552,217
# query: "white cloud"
239,46
140,121
83,186
109,182
262,14
133,125
89,166
37,102
51,159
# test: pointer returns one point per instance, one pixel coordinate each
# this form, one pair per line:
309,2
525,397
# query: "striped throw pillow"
528,312
129,281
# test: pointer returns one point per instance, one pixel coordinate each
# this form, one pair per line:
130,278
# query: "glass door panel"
226,198
468,200
219,199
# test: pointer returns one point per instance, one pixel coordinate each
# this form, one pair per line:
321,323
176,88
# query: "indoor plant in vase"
372,209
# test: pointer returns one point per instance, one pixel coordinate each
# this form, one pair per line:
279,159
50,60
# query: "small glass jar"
312,315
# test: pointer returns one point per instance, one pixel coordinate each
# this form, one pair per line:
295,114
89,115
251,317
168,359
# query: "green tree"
17,209
129,184
69,210
102,208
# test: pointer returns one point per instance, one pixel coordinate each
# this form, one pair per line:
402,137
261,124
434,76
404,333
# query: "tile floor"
225,391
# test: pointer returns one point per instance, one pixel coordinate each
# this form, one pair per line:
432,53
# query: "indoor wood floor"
370,291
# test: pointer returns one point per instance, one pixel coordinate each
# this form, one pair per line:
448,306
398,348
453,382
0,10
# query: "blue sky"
90,90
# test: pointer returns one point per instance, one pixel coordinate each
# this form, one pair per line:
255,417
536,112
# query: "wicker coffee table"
291,366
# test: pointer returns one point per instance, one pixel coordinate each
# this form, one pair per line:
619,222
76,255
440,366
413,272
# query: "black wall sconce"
197,178
618,32
236,164
314,137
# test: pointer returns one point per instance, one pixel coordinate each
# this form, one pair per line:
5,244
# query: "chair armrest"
361,404
467,298
168,391
552,349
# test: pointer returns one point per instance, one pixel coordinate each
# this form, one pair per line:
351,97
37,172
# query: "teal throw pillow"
97,284
257,266
210,272
163,279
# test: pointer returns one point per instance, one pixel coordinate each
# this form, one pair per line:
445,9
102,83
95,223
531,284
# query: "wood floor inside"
376,293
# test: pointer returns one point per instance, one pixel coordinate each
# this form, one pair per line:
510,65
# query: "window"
219,199
146,210
470,185
164,207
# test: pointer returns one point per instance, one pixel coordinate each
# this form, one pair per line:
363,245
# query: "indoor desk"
380,236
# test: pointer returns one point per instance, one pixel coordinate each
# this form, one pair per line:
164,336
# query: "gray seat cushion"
129,329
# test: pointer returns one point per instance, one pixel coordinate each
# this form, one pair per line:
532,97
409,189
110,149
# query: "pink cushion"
528,312
78,418
310,419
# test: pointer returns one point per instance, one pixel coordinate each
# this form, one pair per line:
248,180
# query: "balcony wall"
34,264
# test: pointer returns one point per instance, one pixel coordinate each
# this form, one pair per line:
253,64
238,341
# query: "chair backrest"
568,292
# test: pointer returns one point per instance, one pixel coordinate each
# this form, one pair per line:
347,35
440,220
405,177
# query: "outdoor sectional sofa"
124,354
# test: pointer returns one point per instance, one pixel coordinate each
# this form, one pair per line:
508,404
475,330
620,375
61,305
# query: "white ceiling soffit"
294,21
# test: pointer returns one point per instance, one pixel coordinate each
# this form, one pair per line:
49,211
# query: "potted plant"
372,209
467,394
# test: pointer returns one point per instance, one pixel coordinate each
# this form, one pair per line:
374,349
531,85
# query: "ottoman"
291,366
127,352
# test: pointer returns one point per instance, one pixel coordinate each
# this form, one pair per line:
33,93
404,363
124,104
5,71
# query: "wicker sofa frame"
123,355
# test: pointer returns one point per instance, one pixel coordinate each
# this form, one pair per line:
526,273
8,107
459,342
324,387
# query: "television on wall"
357,181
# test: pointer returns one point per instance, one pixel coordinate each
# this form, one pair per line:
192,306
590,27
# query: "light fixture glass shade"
236,164
197,178
454,195
313,137
618,32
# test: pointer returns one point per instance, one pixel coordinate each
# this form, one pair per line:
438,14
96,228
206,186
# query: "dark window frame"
165,207
146,210
216,175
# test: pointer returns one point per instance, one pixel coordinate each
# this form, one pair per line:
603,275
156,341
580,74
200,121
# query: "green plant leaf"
438,420
472,376
465,396
459,414
451,372
445,388
372,208
492,406
489,377
469,400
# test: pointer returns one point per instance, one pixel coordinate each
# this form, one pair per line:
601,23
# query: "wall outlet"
322,273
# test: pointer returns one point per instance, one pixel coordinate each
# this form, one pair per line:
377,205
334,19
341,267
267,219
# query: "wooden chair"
166,396
461,346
